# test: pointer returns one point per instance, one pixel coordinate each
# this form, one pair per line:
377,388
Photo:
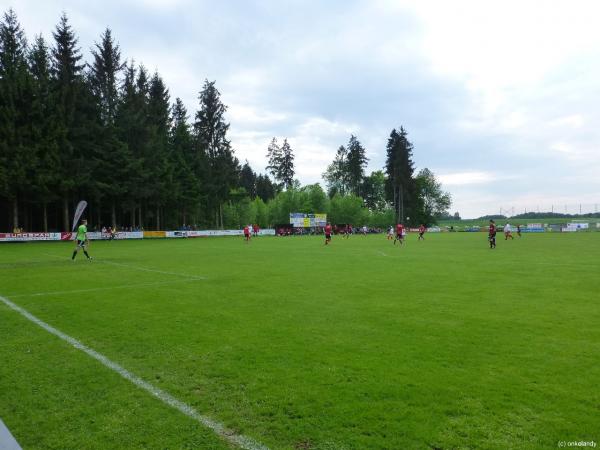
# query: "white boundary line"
7,441
144,269
122,286
217,427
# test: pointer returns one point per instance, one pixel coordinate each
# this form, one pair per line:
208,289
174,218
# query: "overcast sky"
501,100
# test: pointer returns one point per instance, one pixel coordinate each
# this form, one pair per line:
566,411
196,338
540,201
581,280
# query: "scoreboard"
303,220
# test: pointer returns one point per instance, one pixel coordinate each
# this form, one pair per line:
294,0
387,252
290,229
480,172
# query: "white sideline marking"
122,286
7,441
144,269
386,255
217,427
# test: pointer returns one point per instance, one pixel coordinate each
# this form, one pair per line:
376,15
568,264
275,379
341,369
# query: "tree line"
413,198
107,131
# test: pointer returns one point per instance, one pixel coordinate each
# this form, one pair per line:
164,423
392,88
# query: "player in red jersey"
247,233
399,234
492,234
327,233
348,230
255,229
422,230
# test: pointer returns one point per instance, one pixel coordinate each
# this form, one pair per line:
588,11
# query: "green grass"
439,344
515,221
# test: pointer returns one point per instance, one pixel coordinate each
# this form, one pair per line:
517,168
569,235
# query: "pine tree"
160,164
67,72
287,165
222,167
131,130
43,128
336,175
17,157
281,163
356,162
274,157
399,168
104,75
248,180
184,162
265,188
111,169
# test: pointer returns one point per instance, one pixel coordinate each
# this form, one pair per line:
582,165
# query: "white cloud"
466,178
314,141
250,116
572,121
483,89
161,5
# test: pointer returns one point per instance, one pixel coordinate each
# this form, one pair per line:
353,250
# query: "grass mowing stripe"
220,429
143,269
122,286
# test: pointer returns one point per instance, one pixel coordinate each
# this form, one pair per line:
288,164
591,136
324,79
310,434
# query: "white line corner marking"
217,427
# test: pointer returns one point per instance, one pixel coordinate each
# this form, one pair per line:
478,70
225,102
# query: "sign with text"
23,237
304,220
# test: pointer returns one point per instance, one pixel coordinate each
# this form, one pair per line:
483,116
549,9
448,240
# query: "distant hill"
492,217
553,215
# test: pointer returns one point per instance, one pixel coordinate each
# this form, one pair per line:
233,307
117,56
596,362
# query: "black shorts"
421,233
328,236
492,235
399,236
80,243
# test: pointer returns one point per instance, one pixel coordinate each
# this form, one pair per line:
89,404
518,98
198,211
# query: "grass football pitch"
440,344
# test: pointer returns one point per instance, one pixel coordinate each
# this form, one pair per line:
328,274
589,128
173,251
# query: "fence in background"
96,235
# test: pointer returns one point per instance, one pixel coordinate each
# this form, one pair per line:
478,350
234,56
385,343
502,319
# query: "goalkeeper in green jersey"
82,240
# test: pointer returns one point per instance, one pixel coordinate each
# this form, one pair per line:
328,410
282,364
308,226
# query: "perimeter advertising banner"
155,234
22,237
208,233
96,235
572,227
303,220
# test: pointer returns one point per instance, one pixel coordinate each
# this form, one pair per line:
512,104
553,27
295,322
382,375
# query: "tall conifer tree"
210,130
43,128
356,162
286,169
112,168
184,162
336,175
159,111
399,169
17,157
67,70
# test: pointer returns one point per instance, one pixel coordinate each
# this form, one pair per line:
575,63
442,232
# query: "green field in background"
514,222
